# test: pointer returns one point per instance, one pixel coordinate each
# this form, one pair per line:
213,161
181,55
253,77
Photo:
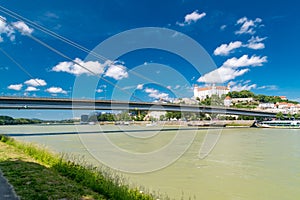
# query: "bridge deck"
87,104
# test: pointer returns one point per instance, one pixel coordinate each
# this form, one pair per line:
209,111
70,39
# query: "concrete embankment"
222,123
204,123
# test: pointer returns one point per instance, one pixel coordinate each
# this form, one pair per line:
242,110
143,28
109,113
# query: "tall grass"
103,181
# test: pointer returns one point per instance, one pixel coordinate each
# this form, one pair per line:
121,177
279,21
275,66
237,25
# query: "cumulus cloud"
31,89
192,17
56,90
223,27
6,30
22,27
75,67
240,87
36,82
230,69
221,75
156,94
176,87
116,71
247,25
140,86
16,87
247,85
245,61
256,43
111,69
226,49
268,87
99,90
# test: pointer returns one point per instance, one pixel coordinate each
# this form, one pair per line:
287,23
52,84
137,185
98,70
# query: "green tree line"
7,120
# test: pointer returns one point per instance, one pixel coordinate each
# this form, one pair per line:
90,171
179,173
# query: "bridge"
84,104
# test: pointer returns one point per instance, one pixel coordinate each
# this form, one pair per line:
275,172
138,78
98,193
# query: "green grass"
60,176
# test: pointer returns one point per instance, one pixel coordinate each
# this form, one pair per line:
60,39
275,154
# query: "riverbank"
203,123
36,173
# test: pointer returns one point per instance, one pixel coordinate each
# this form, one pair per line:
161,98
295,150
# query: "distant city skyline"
254,47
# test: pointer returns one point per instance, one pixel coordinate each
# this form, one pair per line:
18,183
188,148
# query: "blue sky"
254,45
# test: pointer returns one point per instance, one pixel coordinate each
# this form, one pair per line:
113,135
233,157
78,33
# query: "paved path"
6,190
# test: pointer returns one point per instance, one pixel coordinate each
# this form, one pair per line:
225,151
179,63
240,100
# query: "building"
189,101
84,119
266,105
227,101
155,115
242,100
283,97
203,92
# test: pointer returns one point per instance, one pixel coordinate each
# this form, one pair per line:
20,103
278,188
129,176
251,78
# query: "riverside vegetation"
36,173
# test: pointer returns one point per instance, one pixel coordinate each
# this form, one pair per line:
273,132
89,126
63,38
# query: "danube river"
245,163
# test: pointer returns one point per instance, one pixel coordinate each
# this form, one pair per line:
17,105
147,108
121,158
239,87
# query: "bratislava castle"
203,92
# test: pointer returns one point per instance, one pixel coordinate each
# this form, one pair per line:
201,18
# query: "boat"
279,124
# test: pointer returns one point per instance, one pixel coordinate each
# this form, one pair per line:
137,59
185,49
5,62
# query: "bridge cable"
20,66
70,42
70,59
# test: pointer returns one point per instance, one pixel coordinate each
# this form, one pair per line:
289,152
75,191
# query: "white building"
242,100
185,101
227,101
266,105
203,92
155,114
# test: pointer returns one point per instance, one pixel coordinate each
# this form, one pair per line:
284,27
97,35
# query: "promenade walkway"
6,190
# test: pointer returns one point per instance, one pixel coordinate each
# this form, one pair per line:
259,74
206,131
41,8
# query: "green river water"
245,164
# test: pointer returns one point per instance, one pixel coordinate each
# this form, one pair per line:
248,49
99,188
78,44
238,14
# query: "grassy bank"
37,173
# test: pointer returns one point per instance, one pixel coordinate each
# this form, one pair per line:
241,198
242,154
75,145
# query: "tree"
161,118
172,115
241,94
106,117
280,115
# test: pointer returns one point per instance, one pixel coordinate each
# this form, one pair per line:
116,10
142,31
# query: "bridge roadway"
84,104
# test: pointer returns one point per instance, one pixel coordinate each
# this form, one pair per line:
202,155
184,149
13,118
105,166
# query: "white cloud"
156,94
247,26
116,71
9,30
78,67
176,87
256,43
22,27
245,61
223,27
240,87
56,90
222,75
99,90
6,30
36,82
226,49
192,17
103,86
140,86
31,89
17,87
94,67
229,70
268,87
247,85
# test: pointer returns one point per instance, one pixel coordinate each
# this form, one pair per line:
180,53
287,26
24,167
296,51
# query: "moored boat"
278,124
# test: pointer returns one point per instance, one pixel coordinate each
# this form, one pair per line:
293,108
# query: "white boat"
279,124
